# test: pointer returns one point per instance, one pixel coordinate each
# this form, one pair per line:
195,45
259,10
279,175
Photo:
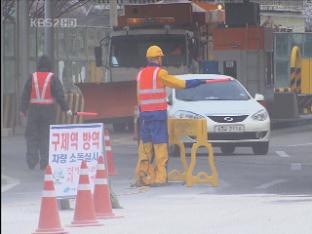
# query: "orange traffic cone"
49,220
102,201
84,209
109,154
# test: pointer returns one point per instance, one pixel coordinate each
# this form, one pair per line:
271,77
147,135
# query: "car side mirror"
98,56
259,97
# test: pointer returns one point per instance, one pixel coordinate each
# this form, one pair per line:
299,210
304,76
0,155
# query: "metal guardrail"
9,111
76,104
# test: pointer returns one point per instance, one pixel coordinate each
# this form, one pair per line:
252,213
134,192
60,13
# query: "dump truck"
172,26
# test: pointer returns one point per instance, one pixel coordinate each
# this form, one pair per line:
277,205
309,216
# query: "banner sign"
69,145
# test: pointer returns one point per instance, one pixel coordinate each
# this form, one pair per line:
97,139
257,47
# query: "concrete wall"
251,69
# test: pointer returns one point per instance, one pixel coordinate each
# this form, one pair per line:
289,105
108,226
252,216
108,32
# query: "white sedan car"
234,117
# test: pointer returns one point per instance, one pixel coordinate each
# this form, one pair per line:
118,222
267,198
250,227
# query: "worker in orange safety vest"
152,102
40,93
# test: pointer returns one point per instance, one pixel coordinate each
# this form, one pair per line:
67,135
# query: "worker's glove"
69,113
193,83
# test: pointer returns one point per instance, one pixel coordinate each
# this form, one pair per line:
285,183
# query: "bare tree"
8,10
61,7
36,8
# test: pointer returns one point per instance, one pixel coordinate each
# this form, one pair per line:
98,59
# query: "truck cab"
127,52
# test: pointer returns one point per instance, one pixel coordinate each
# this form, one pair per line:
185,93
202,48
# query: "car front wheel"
227,149
261,148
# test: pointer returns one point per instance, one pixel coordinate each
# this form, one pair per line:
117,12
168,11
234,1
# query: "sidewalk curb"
287,123
9,183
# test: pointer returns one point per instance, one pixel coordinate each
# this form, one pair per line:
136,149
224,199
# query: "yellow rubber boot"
144,171
161,156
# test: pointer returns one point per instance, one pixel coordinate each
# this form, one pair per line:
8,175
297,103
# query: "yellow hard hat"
154,51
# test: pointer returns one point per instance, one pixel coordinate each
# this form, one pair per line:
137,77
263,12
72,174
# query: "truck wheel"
261,148
227,149
174,151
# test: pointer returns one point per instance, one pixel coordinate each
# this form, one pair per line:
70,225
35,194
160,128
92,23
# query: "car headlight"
260,115
187,115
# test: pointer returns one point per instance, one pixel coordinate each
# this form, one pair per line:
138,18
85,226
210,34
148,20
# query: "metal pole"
48,30
2,66
22,52
23,41
113,13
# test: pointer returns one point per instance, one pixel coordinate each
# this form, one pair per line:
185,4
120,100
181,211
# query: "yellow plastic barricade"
196,128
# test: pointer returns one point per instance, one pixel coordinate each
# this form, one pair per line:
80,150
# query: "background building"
22,42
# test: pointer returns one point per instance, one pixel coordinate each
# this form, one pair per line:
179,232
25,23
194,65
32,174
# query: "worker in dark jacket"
40,93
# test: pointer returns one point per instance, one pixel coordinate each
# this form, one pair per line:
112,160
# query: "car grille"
228,119
236,136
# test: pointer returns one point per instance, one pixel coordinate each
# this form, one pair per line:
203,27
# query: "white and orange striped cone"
102,201
49,220
109,154
84,209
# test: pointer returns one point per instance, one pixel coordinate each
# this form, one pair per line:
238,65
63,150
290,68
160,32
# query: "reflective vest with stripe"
41,88
151,91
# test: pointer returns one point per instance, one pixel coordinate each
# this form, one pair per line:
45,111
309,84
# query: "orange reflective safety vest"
41,88
151,91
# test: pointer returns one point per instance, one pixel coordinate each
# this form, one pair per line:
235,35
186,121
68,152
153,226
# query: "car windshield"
229,90
129,51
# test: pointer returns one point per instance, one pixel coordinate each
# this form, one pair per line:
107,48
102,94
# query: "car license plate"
229,128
